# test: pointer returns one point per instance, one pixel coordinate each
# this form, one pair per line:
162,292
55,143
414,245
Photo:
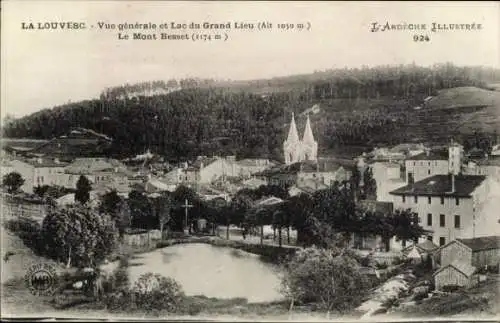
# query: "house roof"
490,161
441,185
430,155
91,165
202,161
482,243
266,201
406,147
462,266
249,162
426,246
44,162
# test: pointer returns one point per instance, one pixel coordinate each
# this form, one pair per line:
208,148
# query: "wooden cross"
186,206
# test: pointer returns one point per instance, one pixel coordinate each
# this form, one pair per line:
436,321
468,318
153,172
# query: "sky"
43,68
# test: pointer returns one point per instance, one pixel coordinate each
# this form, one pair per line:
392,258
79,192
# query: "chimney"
39,160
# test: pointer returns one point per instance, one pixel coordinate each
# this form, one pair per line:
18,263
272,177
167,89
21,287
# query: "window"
429,199
442,199
403,198
441,220
429,219
457,221
442,241
414,163
416,199
428,172
429,163
457,201
429,238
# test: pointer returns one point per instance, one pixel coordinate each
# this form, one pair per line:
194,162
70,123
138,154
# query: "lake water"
219,272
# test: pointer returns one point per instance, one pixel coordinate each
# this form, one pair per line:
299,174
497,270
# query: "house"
99,171
425,249
209,169
388,177
456,274
487,166
385,154
478,252
323,173
410,149
426,164
245,168
447,205
39,171
307,186
156,185
253,183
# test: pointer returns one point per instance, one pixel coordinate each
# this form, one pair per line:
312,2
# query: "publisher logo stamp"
41,279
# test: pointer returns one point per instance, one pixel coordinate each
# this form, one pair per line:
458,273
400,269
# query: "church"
297,150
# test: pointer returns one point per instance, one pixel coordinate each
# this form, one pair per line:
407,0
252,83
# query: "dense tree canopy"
208,117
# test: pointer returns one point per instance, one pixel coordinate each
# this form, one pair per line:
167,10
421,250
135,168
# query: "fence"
142,239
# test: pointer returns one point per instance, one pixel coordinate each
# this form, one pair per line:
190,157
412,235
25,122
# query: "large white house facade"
447,205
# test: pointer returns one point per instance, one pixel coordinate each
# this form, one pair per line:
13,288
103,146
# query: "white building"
39,172
297,150
387,175
426,164
447,205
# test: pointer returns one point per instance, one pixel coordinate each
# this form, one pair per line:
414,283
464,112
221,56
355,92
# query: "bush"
382,265
155,292
328,278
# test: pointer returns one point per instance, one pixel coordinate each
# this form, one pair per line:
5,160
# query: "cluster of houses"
456,196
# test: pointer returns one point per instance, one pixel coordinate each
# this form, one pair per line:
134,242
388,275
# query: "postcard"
250,161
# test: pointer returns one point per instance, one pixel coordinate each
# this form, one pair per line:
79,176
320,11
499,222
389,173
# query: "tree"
83,188
162,206
406,225
78,235
370,185
329,277
109,203
13,182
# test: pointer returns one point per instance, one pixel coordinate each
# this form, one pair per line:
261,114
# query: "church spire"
293,135
308,135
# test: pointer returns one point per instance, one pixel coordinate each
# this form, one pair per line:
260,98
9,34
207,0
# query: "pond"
220,272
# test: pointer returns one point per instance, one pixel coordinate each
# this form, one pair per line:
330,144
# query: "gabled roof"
91,165
441,185
462,266
426,246
202,162
430,155
482,243
266,201
43,162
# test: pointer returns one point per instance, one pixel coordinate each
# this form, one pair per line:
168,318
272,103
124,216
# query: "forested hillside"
181,119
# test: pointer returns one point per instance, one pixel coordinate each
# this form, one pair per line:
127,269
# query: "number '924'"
420,38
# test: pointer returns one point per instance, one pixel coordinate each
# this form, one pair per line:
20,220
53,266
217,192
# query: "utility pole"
186,206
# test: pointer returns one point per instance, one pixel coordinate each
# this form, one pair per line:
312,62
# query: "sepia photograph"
250,160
